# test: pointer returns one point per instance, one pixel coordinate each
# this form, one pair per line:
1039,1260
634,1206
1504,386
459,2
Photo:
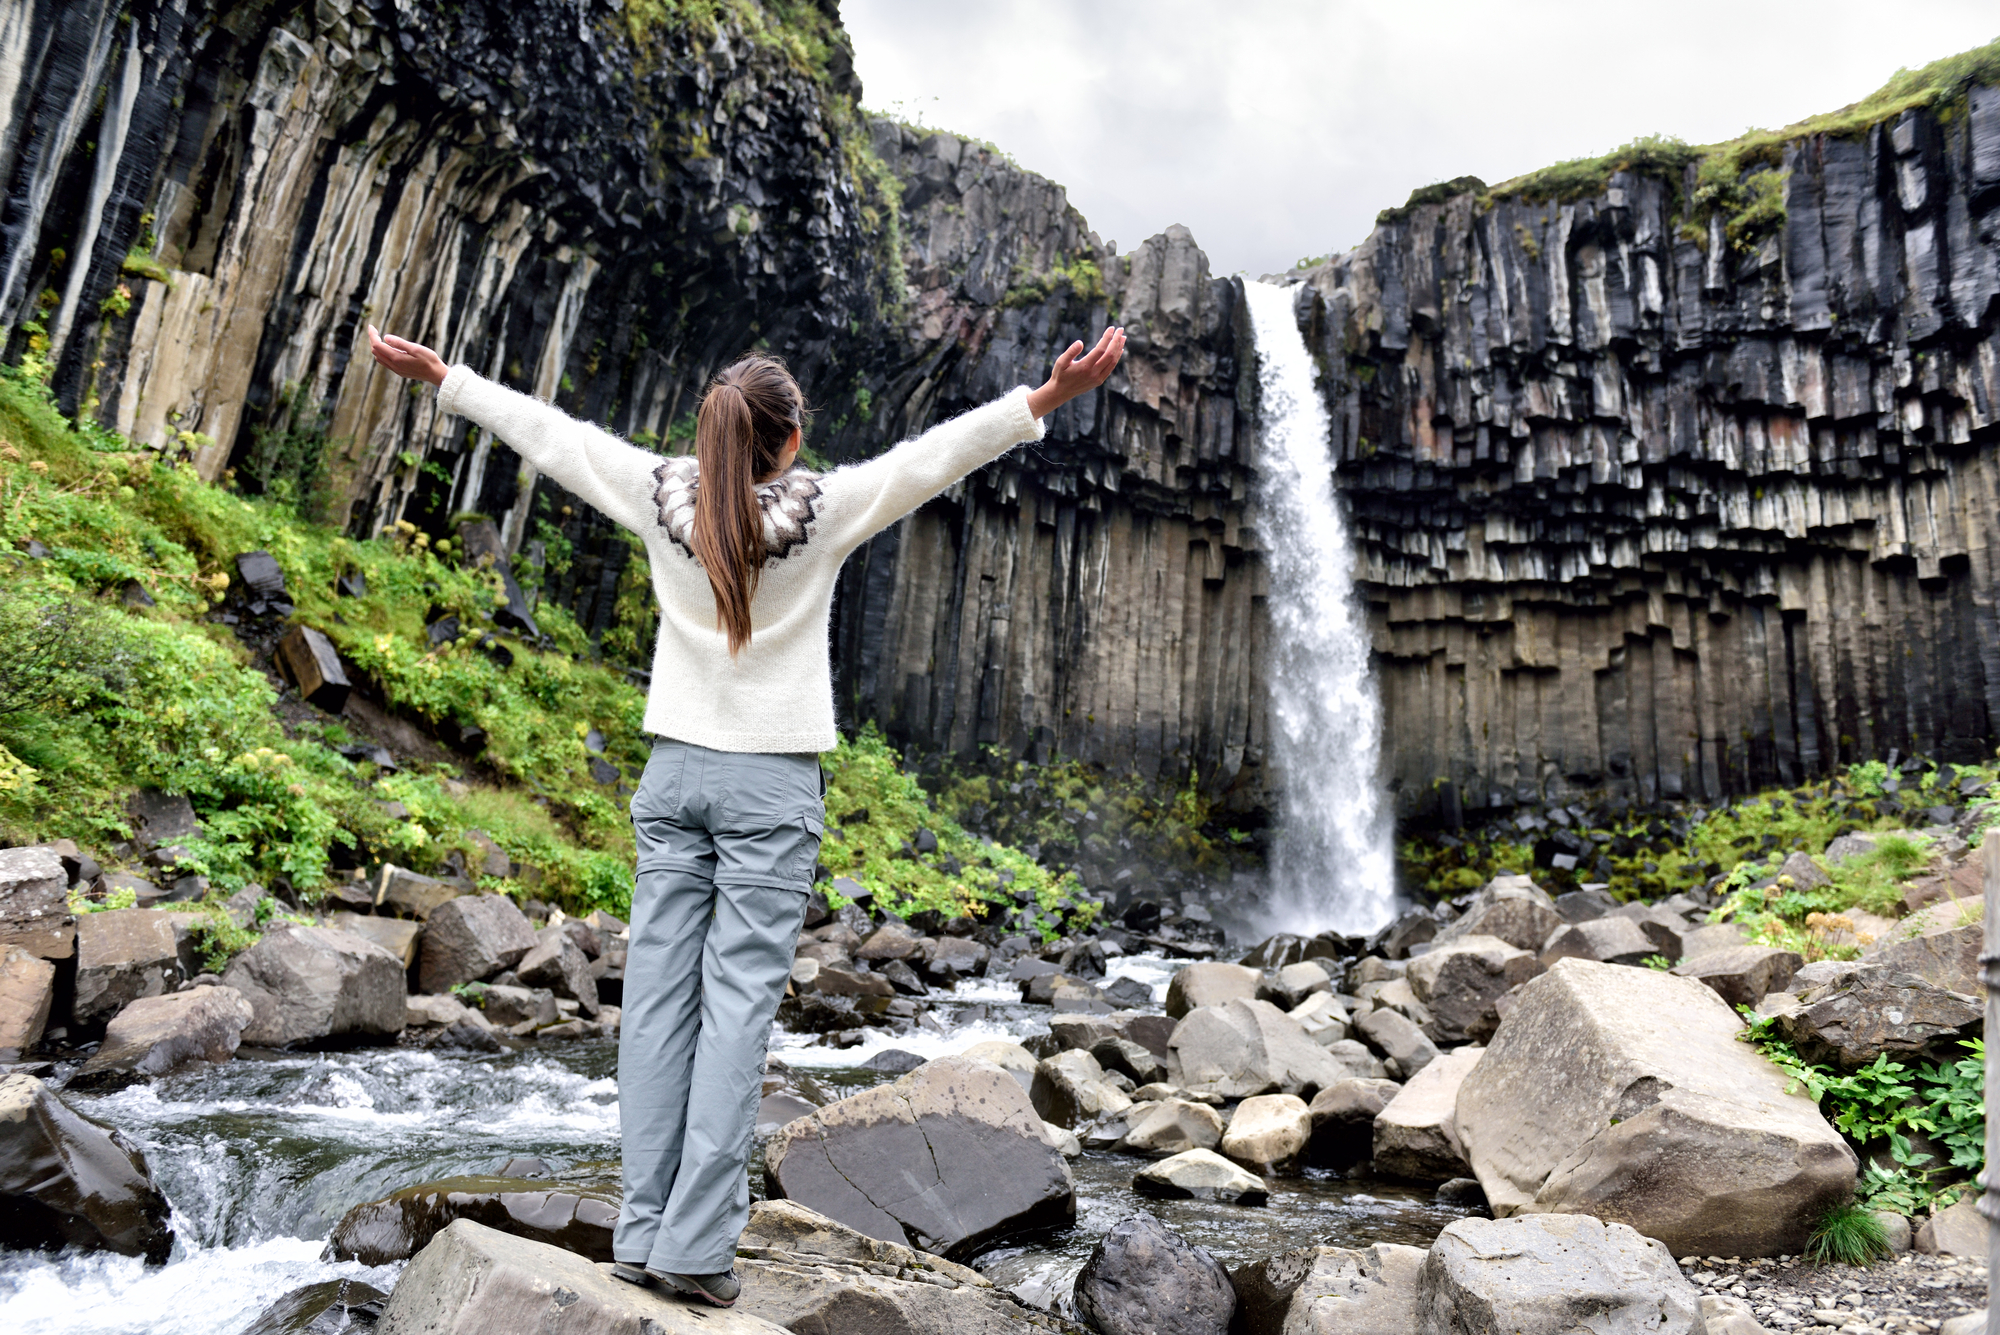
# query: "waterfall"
1332,862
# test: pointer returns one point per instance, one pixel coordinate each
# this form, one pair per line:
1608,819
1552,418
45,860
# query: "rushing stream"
260,1156
1332,862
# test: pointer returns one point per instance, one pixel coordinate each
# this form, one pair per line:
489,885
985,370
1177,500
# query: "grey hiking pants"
727,845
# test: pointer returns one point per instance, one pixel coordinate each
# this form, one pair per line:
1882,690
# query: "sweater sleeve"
866,498
608,473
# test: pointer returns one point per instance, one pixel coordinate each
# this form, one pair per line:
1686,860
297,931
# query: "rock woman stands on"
744,547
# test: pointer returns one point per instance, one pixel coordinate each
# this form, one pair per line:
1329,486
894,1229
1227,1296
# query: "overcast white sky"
1277,129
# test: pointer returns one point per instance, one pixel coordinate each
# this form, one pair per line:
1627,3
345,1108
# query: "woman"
744,548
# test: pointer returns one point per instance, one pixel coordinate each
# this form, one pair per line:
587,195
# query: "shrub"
1846,1234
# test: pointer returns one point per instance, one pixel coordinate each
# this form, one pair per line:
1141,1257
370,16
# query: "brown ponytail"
747,415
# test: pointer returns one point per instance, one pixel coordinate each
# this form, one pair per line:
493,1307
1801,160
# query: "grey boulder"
1343,1120
401,937
1609,940
1200,1175
402,893
1865,1010
1069,1090
401,1224
125,954
1144,1279
945,1159
1416,1133
331,1307
313,985
1552,1275
1162,1129
1743,975
1512,908
1244,1047
473,1280
27,990
1210,984
1626,1094
1330,1291
34,903
471,938
1397,1037
1291,985
156,1035
1460,980
558,963
67,1181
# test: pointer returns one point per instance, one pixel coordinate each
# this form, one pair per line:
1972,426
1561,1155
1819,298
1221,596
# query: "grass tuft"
1847,1234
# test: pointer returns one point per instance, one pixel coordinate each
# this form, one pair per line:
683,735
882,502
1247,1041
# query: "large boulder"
1552,1274
1324,1019
558,963
1268,1133
330,1307
1291,985
1210,984
1946,957
1957,1230
1330,1291
1668,931
946,1159
1865,1010
1612,940
473,1280
27,990
470,938
1511,908
1416,1133
316,985
155,1035
1715,936
806,1272
1244,1047
1144,1279
401,1224
66,1181
1743,975
1201,1175
1461,979
1069,1089
125,954
1625,1094
1343,1120
34,903
399,936
1168,1127
402,893
1398,1038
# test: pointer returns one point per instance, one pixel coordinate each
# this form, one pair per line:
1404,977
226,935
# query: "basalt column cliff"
1680,510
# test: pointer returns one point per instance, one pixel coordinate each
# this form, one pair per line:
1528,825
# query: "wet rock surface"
66,1180
1144,1279
156,1035
403,1223
332,1307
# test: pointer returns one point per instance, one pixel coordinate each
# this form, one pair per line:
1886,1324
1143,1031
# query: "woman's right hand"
412,361
1077,372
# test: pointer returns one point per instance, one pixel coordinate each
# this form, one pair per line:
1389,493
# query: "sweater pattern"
790,504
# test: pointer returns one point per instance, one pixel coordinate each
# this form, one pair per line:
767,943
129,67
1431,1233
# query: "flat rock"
1552,1274
65,1180
1460,979
399,936
558,963
155,1035
1070,1090
1161,1129
474,1280
1956,1230
401,1224
1625,1094
470,938
34,903
1742,975
1244,1047
27,990
1210,983
1268,1133
1397,1037
1343,1120
404,893
1609,940
1144,1279
1868,1009
125,954
946,1159
1416,1133
331,1307
1511,908
1330,1291
1200,1175
313,985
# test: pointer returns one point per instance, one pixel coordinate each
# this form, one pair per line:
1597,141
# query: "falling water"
1331,862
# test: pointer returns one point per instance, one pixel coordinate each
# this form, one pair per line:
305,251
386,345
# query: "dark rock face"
314,985
558,963
1143,1279
34,904
401,1224
65,1180
947,1159
155,1035
125,954
329,1308
1870,1009
473,937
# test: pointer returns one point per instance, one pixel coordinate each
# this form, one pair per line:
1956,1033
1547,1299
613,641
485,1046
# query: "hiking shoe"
716,1290
632,1274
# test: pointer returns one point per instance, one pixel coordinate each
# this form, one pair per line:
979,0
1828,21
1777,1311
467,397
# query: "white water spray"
1332,865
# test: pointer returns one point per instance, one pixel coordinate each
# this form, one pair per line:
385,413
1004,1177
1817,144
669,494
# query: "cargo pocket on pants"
805,862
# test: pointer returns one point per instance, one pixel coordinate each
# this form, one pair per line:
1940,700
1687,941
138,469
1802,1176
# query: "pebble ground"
1911,1293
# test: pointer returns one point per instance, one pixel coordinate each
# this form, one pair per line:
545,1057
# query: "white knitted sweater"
777,694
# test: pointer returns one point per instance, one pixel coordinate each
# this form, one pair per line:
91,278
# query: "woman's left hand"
412,361
1077,372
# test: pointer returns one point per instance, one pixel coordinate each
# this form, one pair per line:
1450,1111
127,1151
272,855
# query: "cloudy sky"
1276,129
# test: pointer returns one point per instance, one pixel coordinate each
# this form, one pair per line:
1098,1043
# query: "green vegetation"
1921,1133
1740,180
1432,194
1080,277
1847,1234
